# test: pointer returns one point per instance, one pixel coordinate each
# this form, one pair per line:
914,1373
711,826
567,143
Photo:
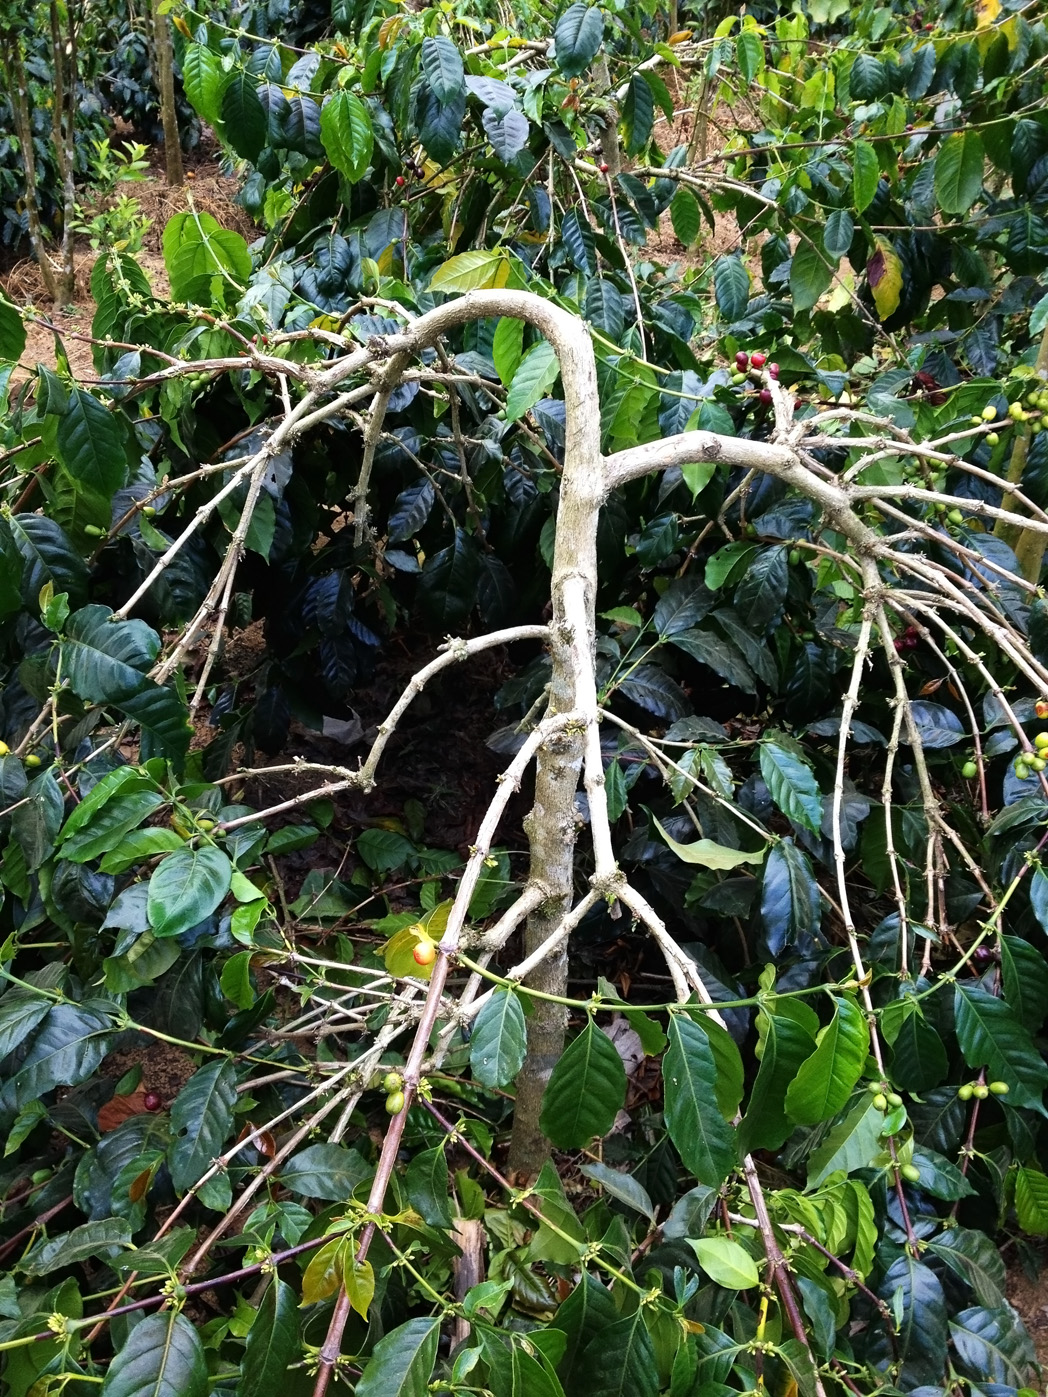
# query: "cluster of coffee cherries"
989,414
1035,412
393,1086
890,1101
980,1090
745,362
1035,760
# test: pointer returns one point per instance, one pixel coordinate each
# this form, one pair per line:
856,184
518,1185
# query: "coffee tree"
759,535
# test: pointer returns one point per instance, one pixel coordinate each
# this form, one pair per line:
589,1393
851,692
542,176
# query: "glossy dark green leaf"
67,1048
791,906
622,1187
940,1176
704,1139
272,1343
974,1257
991,1036
186,887
91,444
825,1081
811,273
402,1363
959,171
913,1292
791,782
448,585
442,65
244,124
577,37
993,1344
162,1357
585,1091
919,1058
588,1311
851,1144
426,1182
201,1120
1026,972
36,824
638,114
838,234
49,556
619,1361
499,1041
102,1239
109,825
731,284
20,1012
325,1170
761,593
579,241
440,123
786,1045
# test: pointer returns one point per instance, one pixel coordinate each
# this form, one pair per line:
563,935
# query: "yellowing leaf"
680,37
389,29
360,1285
477,270
710,854
986,11
884,272
399,954
323,1275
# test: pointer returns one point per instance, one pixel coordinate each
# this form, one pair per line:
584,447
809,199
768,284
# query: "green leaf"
402,1363
761,593
91,444
12,331
825,1081
272,1343
959,171
708,853
325,1170
244,123
577,38
850,1145
345,129
704,1139
791,783
811,273
992,1346
791,906
109,825
499,1041
537,373
685,217
1031,1201
1039,317
585,1091
974,1257
1025,972
838,234
866,175
20,1012
507,347
186,888
48,556
442,65
67,1048
196,250
619,1361
203,78
991,1036
638,114
477,270
731,284
727,1263
163,1357
426,1182
621,1186
749,52
940,1176
786,1045
201,1119
579,241
101,1238
587,1311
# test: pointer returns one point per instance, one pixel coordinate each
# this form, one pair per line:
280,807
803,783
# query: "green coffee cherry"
392,1081
894,1099
980,1092
955,516
881,1101
1036,763
911,1173
992,438
395,1103
1021,770
965,1091
1000,1088
989,412
969,771
795,557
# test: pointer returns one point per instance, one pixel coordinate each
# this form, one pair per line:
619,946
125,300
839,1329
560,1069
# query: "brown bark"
166,89
15,79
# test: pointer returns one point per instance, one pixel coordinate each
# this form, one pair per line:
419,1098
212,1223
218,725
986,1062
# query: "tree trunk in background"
165,80
63,134
14,77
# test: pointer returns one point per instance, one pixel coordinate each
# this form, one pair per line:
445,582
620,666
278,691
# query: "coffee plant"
755,541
